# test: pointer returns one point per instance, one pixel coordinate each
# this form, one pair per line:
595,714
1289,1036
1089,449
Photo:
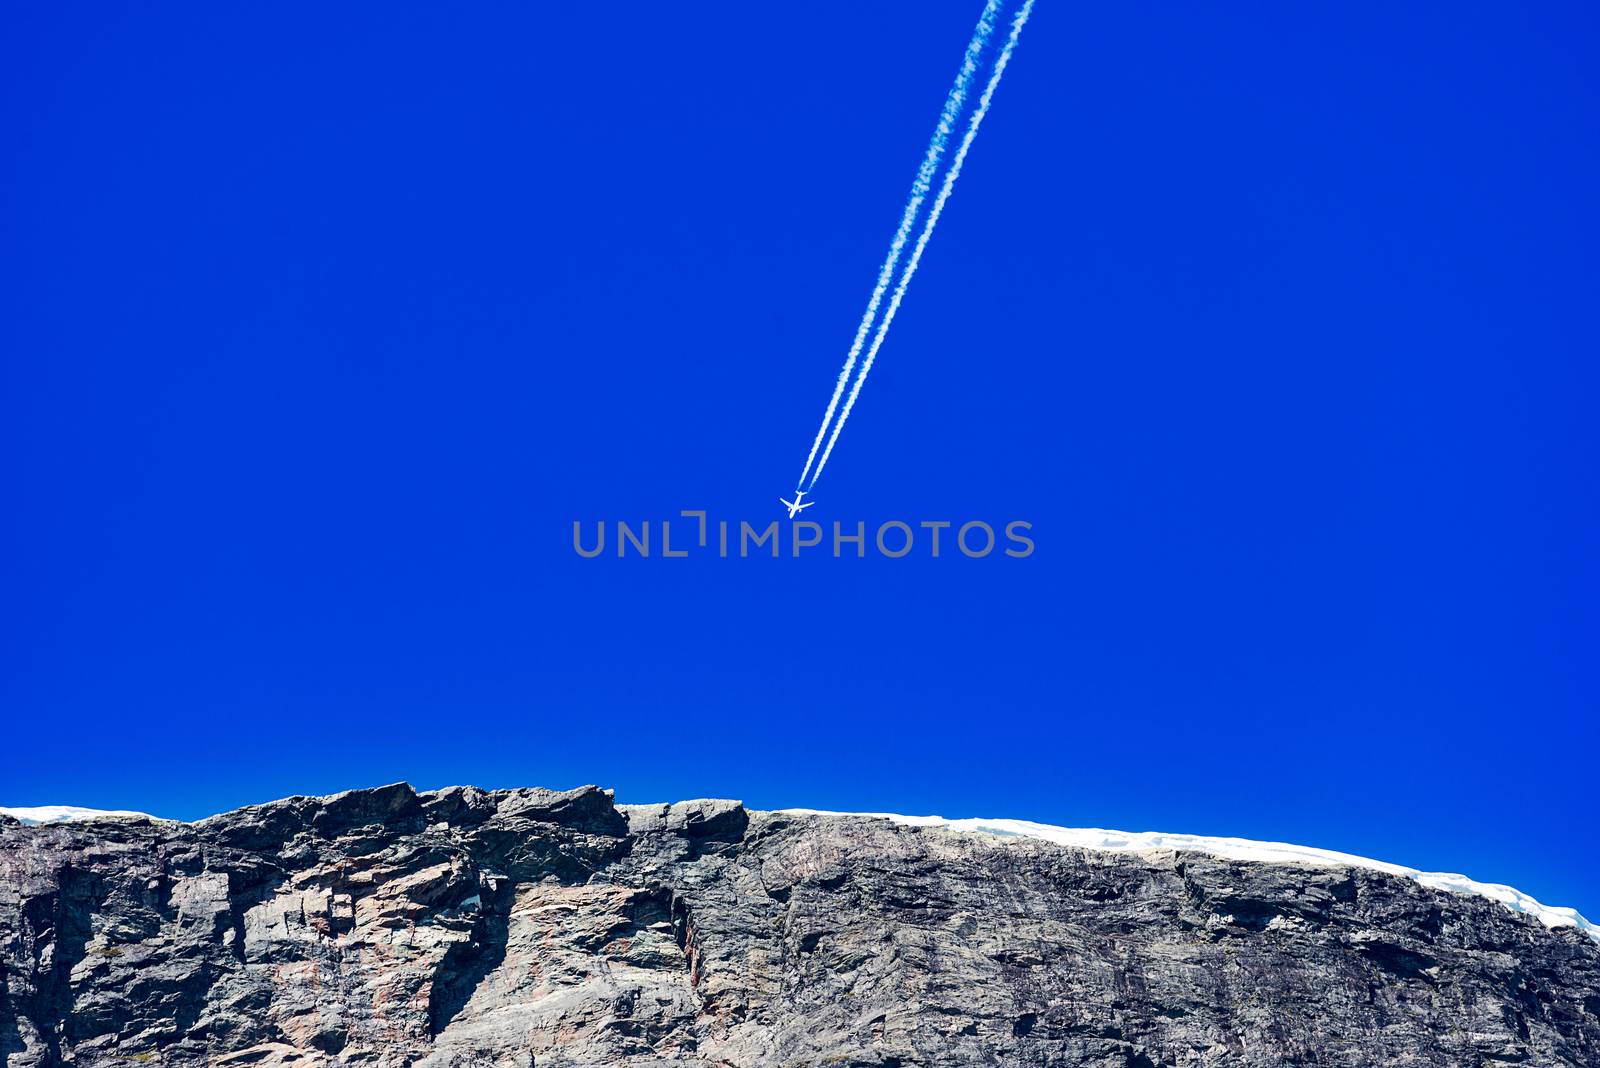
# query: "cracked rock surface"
466,927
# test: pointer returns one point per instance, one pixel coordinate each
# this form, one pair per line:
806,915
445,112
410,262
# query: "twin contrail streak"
919,192
950,177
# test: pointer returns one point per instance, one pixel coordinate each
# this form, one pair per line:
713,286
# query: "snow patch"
1237,849
33,817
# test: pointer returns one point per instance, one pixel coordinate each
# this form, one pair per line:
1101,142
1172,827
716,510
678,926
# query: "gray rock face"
533,928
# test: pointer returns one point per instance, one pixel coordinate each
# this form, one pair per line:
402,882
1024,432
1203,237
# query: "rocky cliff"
533,928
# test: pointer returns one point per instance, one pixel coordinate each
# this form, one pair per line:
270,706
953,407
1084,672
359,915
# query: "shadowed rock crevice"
468,927
466,963
61,944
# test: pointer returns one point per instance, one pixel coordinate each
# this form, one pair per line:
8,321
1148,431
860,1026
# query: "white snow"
1237,849
33,817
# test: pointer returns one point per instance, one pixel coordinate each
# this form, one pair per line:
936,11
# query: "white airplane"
795,507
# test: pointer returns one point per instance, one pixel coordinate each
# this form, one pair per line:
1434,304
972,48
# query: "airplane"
795,507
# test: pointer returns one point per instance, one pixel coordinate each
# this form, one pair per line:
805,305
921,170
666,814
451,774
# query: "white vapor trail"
953,105
927,230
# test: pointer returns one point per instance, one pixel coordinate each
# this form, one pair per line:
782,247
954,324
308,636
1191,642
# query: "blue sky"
320,326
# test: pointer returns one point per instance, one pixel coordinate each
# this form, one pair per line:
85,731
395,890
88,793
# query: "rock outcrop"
533,928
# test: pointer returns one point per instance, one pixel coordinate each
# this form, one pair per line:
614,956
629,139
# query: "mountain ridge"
557,928
1232,848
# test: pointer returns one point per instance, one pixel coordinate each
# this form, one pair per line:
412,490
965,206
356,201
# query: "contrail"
919,192
927,230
